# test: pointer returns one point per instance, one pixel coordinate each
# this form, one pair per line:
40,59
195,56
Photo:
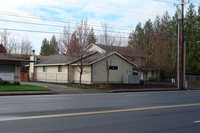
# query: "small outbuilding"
10,68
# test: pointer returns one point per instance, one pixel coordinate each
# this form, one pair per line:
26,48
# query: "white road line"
197,121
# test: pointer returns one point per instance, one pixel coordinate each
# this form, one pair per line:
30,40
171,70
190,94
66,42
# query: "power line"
55,20
75,22
47,32
116,9
14,21
31,23
163,1
108,8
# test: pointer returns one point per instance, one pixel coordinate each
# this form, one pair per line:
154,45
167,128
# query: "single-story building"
64,69
135,57
10,68
61,68
94,70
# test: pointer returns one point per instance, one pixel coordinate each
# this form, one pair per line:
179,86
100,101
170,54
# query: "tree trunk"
80,78
81,71
107,73
159,78
145,73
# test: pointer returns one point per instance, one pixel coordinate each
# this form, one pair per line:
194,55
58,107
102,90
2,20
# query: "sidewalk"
7,93
143,90
63,89
88,91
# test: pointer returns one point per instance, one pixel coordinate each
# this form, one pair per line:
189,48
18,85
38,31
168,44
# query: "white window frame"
44,68
61,68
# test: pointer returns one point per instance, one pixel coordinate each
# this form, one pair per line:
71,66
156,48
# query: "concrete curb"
143,90
27,93
108,91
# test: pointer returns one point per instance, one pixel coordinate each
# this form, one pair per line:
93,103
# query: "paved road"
139,112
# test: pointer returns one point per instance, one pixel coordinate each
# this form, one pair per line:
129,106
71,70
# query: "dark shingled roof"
93,57
96,56
125,51
4,58
55,59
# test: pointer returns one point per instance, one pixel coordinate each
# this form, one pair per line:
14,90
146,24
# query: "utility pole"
181,48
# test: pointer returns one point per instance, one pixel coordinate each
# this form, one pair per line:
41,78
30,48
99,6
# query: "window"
7,68
60,68
135,72
153,73
113,67
44,69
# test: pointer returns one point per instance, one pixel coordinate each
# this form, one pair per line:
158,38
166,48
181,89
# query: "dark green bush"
5,83
142,82
16,83
1,81
153,78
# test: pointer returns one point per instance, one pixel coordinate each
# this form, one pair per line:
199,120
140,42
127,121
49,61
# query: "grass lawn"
22,88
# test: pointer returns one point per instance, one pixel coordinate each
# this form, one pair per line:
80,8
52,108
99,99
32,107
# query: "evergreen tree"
91,37
54,45
49,48
161,44
45,47
173,34
191,38
148,45
198,34
136,38
142,40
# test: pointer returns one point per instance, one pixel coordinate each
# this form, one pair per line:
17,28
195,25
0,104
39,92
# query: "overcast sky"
119,13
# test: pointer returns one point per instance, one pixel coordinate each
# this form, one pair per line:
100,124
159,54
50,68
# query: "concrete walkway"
63,89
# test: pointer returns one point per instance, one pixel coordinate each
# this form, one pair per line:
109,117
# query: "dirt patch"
120,86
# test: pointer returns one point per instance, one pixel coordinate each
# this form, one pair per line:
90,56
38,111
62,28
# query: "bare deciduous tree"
108,40
15,45
75,44
25,47
5,39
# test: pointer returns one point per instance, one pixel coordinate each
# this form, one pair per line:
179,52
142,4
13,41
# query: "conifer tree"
45,47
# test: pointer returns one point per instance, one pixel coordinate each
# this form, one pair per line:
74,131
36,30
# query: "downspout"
68,74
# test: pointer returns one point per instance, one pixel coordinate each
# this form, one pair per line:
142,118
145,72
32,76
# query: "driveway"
61,89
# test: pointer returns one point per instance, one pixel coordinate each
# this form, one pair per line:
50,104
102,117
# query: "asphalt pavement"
64,89
133,112
59,88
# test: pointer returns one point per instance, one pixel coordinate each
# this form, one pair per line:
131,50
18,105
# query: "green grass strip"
22,88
